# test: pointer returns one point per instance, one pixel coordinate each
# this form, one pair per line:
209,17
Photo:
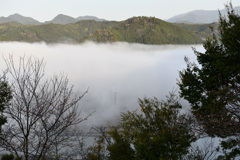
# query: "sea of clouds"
115,74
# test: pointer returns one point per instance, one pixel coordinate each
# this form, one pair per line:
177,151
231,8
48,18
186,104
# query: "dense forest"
146,30
200,30
50,33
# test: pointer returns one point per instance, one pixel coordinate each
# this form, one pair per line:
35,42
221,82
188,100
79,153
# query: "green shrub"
7,157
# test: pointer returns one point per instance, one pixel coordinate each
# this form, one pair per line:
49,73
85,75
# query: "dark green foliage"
147,31
136,30
5,97
121,145
50,33
213,87
7,157
231,144
98,150
159,131
200,30
215,84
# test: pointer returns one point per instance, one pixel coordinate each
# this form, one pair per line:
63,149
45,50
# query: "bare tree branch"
41,111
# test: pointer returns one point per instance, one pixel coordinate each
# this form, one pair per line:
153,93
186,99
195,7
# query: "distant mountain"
200,16
19,19
146,30
59,19
62,19
90,18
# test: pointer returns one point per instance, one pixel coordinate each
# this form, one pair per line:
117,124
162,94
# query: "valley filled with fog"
115,75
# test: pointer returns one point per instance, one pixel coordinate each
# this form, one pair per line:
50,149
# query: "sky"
45,10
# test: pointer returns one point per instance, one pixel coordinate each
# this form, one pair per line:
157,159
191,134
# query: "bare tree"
78,149
90,145
205,149
41,111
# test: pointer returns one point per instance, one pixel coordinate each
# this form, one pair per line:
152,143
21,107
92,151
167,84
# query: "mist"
115,74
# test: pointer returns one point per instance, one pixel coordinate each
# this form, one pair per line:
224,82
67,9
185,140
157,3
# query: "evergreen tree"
5,97
213,87
159,131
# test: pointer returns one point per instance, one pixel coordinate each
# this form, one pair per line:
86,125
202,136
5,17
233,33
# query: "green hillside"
200,30
51,33
147,31
135,30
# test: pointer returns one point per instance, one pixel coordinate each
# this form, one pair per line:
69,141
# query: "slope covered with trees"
50,33
147,31
200,30
135,30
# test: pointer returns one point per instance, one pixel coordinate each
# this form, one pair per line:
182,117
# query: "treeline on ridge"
146,30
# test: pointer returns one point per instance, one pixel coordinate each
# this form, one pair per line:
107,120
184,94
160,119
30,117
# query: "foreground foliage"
213,87
5,97
158,131
40,113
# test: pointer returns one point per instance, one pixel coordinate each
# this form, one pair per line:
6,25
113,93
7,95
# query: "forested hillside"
50,33
146,30
200,30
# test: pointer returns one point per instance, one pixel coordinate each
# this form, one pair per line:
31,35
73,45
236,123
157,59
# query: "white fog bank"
117,74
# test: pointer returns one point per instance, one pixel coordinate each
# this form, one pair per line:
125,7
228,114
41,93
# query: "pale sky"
45,10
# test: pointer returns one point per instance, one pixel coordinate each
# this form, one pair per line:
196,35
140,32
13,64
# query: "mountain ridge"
51,33
19,19
62,19
59,19
191,17
200,16
87,17
146,30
